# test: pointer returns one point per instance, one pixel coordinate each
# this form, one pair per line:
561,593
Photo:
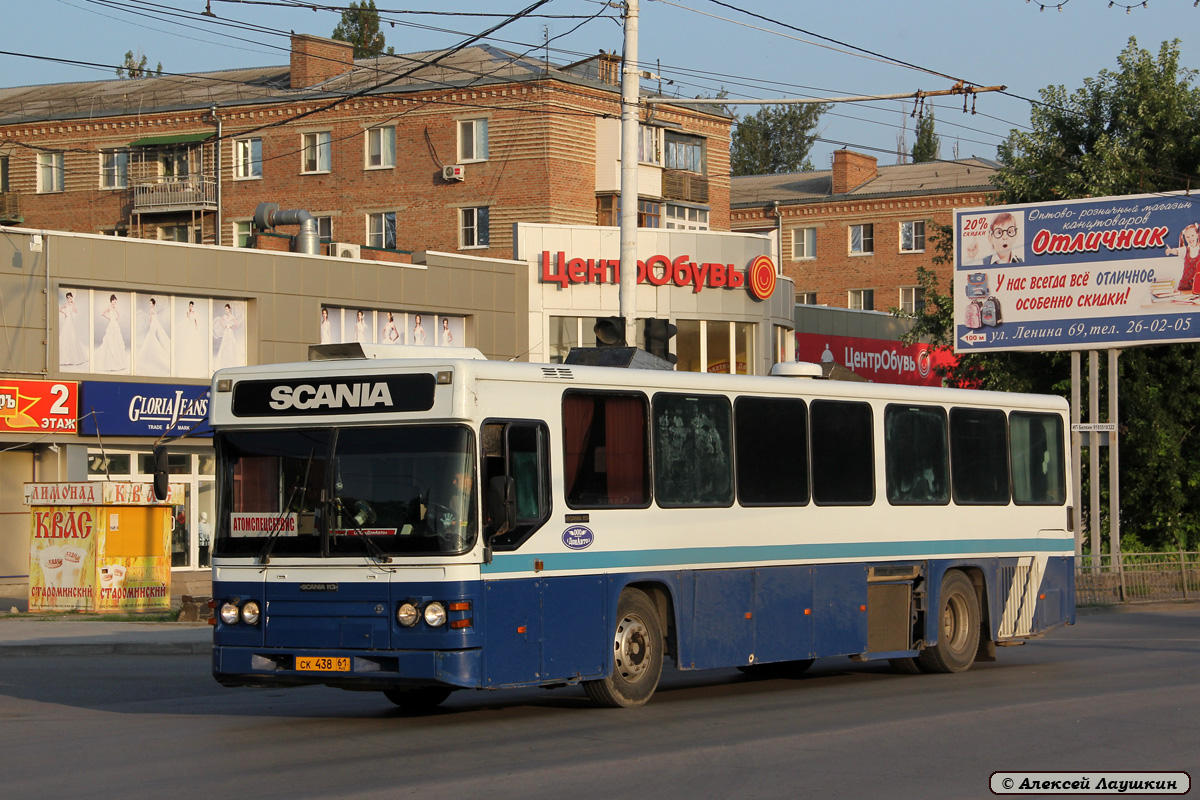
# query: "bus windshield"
371,491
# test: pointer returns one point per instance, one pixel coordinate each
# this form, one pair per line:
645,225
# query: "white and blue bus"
422,525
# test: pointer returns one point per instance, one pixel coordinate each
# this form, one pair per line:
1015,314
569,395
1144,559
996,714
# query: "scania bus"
422,525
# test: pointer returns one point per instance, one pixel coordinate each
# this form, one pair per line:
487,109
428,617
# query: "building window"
178,233
804,244
912,236
649,214
114,169
316,150
806,298
381,230
4,173
607,210
862,299
472,140
912,299
473,227
243,233
684,152
381,147
649,149
50,172
687,218
247,158
174,163
862,239
325,229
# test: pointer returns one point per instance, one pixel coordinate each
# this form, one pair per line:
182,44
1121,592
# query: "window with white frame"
862,239
472,139
316,152
912,299
381,230
381,147
649,149
862,299
175,162
325,229
49,172
804,243
473,227
806,298
114,169
247,158
684,152
912,236
243,233
686,218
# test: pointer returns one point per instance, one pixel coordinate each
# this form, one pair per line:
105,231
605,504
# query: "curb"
112,648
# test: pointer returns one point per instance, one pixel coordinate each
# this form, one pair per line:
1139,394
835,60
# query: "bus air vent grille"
557,373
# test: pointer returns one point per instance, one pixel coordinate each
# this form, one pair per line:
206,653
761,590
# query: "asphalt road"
1118,691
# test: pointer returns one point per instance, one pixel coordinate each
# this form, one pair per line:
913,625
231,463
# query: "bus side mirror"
161,489
502,503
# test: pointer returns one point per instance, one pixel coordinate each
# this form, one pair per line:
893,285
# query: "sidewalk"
22,634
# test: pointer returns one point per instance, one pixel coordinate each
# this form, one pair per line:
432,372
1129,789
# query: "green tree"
774,140
1128,131
360,27
928,146
135,67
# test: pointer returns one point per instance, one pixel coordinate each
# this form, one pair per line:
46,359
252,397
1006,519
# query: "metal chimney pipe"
307,241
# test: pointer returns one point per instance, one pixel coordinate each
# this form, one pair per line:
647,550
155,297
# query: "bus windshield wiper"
363,515
264,556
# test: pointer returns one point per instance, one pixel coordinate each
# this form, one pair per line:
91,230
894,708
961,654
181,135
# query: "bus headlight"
435,614
229,613
250,613
407,615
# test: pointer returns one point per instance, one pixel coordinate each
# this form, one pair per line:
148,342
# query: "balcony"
10,208
687,186
175,194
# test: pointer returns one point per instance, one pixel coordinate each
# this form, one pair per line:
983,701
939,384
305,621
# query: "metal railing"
175,194
1137,578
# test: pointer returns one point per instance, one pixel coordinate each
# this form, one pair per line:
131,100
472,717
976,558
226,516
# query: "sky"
781,48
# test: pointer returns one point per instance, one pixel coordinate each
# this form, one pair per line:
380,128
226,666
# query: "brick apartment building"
426,151
853,236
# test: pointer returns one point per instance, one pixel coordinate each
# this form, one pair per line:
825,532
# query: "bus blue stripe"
635,559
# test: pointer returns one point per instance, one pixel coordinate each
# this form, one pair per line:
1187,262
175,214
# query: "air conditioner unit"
343,250
454,172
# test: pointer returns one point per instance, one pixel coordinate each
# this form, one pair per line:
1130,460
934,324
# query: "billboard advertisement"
51,406
1077,275
877,360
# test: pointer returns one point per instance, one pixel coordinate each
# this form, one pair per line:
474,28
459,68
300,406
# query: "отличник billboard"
1079,274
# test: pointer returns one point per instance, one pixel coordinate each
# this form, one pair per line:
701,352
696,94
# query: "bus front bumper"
346,669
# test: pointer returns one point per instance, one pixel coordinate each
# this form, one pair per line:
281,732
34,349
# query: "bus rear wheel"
637,655
958,627
417,698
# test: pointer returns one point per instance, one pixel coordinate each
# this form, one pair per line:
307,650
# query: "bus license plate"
322,664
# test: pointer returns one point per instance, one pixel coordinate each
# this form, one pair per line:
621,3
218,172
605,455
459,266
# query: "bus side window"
520,451
979,456
692,451
771,435
916,455
1037,453
843,472
605,450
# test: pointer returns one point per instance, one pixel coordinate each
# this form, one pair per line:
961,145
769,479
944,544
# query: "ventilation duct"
307,241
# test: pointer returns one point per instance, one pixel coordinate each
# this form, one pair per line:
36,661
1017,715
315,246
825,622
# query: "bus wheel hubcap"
632,649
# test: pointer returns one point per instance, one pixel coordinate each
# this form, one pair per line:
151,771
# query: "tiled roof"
931,177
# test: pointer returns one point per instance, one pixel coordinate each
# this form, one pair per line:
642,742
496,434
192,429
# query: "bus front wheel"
637,655
958,627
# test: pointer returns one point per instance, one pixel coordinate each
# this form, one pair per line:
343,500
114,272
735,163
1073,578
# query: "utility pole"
630,75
